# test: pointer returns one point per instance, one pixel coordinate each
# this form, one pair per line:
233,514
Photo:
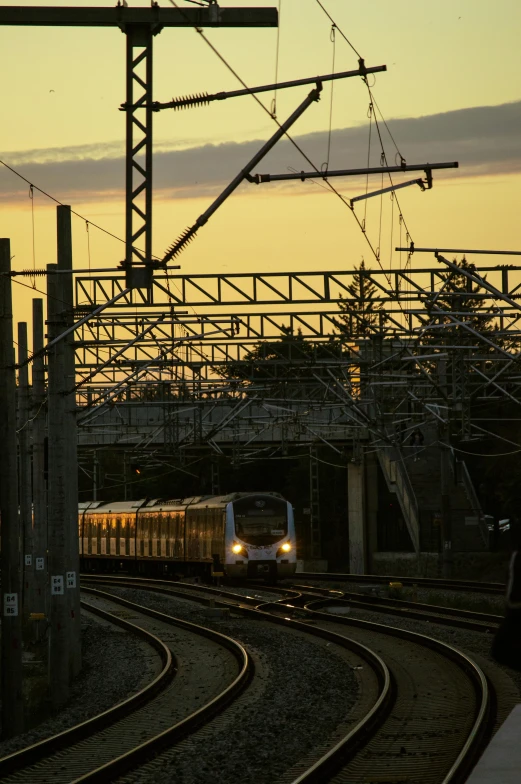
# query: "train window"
260,517
104,527
112,521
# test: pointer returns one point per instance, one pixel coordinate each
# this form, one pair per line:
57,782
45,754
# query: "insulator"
191,100
30,273
186,237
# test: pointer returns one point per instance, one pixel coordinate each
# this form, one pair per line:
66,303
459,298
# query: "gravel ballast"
302,690
116,664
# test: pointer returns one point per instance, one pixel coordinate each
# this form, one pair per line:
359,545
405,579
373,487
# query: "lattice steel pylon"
138,189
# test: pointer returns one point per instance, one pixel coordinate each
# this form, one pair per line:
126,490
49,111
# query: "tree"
466,300
271,361
361,312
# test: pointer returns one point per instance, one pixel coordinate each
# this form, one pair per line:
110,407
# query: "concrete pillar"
72,584
10,560
356,507
371,498
24,462
39,429
60,622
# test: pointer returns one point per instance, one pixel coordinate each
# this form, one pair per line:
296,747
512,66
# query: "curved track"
104,748
442,707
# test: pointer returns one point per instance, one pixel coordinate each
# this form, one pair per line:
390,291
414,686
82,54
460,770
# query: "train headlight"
286,547
237,548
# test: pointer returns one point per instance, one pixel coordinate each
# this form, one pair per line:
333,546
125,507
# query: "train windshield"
260,519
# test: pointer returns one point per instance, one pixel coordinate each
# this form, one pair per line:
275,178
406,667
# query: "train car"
245,535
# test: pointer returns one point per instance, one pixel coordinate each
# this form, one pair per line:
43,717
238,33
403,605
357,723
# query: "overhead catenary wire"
61,204
325,165
31,196
288,136
373,103
277,53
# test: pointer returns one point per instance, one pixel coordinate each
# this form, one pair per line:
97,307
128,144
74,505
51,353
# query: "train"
239,535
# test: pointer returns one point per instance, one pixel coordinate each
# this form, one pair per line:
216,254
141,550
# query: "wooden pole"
12,696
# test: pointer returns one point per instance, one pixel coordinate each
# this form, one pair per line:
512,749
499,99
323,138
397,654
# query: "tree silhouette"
361,312
463,299
273,360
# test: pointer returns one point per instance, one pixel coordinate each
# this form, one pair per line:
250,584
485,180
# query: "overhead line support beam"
204,98
258,179
122,16
413,249
140,25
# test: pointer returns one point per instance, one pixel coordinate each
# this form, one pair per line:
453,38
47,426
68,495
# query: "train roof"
158,504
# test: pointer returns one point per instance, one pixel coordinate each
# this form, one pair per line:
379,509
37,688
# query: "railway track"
448,616
423,582
442,706
108,745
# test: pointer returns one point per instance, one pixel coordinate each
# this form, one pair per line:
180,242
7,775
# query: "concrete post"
446,511
12,696
445,473
72,582
60,621
24,462
356,517
39,414
371,498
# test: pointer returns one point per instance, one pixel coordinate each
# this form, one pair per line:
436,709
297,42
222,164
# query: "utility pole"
24,462
12,696
60,626
39,424
445,473
72,576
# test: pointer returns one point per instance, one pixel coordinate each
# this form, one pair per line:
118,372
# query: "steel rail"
381,708
172,735
448,616
433,582
332,762
483,720
44,748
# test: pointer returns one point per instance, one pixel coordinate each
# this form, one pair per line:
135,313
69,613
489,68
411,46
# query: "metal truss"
374,361
279,288
138,188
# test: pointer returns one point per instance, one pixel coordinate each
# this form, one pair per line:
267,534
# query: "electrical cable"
480,454
325,166
346,39
290,138
57,201
374,103
277,50
31,196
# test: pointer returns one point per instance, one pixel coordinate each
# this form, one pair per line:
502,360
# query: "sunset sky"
452,92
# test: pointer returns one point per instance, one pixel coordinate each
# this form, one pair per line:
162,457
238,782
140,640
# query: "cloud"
485,140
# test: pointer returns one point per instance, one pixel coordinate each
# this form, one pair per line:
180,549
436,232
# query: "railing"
399,483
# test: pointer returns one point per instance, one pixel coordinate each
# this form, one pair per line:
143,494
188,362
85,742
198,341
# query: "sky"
452,91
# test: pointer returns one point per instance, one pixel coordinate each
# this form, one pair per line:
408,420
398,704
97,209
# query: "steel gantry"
382,353
140,25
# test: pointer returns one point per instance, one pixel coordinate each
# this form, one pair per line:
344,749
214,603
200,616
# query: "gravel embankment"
301,692
115,665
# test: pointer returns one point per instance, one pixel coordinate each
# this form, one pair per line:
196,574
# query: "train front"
260,537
